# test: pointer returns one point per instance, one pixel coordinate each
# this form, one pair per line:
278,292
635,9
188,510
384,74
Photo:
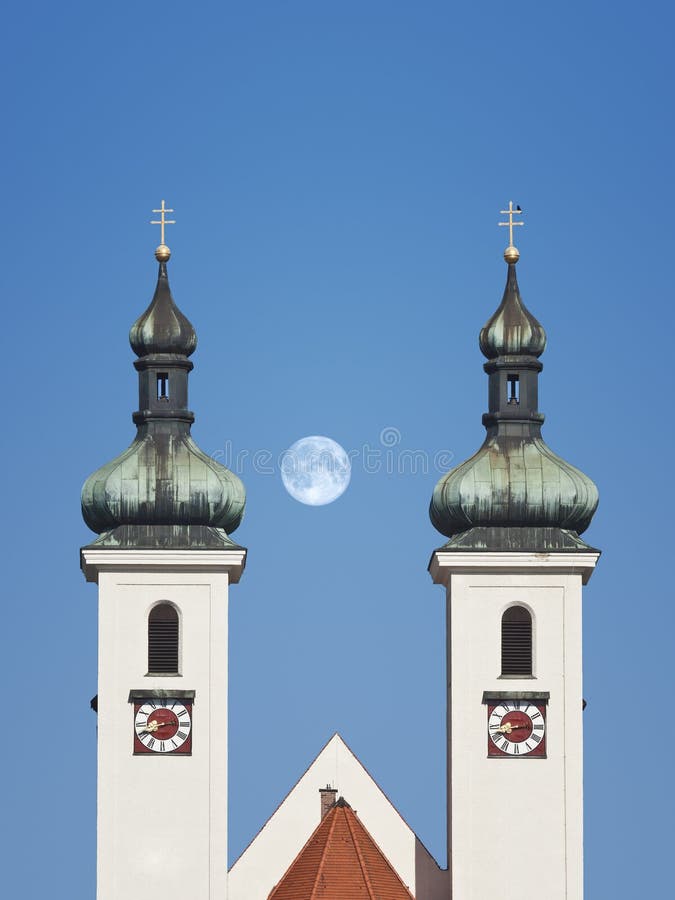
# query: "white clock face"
516,727
162,726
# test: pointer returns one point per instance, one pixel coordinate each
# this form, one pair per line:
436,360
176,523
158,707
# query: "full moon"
316,470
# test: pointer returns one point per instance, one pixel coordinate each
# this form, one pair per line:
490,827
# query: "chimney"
328,795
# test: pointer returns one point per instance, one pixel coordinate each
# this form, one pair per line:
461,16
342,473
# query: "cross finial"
162,253
511,254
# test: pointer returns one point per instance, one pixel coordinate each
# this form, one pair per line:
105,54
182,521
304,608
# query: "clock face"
516,728
163,726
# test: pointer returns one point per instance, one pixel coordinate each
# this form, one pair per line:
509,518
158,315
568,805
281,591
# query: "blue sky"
337,172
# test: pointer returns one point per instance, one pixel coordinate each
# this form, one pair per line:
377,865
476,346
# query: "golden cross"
164,221
511,212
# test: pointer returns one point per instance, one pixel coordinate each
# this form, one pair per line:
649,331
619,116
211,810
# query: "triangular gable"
263,863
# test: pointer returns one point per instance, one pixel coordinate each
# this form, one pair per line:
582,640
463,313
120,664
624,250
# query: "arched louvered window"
163,640
516,641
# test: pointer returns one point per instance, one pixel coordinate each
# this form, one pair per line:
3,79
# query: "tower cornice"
445,563
94,561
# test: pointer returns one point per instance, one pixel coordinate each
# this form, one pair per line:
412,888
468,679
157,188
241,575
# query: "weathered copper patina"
515,493
163,491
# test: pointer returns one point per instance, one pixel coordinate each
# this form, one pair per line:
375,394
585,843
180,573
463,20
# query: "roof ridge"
319,869
362,863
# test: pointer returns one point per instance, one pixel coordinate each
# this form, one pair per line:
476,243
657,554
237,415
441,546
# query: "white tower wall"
162,818
515,824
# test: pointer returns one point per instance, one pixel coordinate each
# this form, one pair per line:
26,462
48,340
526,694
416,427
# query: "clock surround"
163,722
516,724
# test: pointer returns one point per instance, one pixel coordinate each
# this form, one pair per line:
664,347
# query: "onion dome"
162,328
163,491
512,330
515,493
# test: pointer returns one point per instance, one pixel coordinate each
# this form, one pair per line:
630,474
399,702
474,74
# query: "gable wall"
272,851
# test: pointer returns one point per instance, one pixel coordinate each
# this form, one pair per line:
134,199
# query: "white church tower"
163,564
513,568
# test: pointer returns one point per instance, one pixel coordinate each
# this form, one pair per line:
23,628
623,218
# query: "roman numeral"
151,743
184,724
538,727
516,749
536,715
182,735
161,746
535,737
174,744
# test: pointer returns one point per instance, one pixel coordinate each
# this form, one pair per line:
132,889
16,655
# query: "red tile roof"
341,861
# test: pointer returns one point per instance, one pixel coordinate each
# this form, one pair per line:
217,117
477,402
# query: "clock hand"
150,726
504,729
154,725
507,728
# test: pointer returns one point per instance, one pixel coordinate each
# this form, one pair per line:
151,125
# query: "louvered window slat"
516,641
163,640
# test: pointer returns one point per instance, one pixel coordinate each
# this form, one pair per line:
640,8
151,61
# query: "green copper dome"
162,328
163,491
515,493
512,329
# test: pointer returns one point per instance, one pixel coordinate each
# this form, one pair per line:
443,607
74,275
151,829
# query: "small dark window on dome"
162,386
516,641
163,640
513,391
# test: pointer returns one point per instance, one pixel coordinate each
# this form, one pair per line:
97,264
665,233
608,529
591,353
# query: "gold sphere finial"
511,254
162,253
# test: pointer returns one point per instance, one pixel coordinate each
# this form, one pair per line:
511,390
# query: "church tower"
513,569
163,563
